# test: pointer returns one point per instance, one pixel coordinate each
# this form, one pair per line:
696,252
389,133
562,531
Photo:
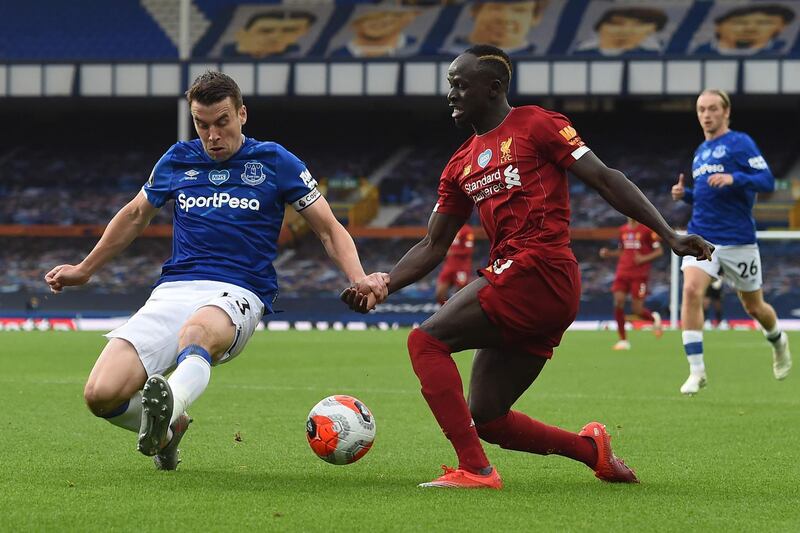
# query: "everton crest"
253,173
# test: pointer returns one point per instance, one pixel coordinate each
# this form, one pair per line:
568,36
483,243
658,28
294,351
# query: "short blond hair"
726,100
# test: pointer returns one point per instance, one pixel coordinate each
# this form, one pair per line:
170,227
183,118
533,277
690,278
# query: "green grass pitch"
724,460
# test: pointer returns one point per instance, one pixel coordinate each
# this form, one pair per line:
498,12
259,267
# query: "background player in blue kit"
728,170
229,193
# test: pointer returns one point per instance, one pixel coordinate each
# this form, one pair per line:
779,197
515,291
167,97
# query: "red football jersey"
460,252
634,240
516,175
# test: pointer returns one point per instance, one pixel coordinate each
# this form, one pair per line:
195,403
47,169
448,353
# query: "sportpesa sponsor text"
185,203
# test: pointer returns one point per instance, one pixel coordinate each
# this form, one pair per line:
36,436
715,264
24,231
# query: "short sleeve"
452,200
558,139
159,185
655,240
297,185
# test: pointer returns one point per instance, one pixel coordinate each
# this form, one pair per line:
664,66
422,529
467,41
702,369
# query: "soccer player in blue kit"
728,170
229,192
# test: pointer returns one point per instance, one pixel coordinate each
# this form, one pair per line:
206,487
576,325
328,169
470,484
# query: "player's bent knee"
483,414
102,401
194,333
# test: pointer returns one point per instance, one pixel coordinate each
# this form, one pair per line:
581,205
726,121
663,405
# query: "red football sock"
619,316
518,431
442,389
645,314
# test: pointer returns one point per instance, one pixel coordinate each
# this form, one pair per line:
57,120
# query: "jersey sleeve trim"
452,210
580,152
306,200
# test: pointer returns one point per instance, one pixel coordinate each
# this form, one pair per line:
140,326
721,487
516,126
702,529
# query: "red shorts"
457,275
532,300
636,287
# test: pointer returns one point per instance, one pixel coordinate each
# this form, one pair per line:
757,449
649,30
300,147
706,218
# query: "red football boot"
609,467
461,479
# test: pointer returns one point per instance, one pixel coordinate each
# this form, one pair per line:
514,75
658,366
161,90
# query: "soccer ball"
340,429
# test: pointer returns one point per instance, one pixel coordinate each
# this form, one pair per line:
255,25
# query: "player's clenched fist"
65,276
678,190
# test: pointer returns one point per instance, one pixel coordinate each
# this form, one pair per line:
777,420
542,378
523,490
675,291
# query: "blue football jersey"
228,214
724,215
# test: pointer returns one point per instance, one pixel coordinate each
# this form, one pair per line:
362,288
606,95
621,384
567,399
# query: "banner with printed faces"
259,31
519,28
620,28
747,29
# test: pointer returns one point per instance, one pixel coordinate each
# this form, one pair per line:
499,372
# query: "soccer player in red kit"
639,246
457,264
514,170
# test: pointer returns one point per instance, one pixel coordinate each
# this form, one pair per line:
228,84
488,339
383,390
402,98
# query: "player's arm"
681,192
751,170
652,256
626,198
127,224
340,247
610,252
416,264
427,253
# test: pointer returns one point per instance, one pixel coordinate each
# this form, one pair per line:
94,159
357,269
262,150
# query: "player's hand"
367,292
693,245
66,276
358,302
376,283
637,258
678,190
604,252
720,180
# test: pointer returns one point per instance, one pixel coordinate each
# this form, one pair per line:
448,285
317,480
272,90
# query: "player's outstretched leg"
619,316
781,356
499,378
442,389
157,404
658,325
164,405
609,467
168,457
458,478
765,315
693,346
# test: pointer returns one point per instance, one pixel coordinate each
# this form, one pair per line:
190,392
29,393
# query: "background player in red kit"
457,265
639,246
514,169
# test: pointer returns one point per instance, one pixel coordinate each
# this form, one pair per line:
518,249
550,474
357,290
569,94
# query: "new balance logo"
512,177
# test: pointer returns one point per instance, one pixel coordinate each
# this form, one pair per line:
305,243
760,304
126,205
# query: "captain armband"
306,200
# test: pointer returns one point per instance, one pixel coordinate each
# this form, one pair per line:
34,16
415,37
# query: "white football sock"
132,417
188,382
773,335
693,346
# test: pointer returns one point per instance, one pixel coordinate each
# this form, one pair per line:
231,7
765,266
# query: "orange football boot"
609,467
457,478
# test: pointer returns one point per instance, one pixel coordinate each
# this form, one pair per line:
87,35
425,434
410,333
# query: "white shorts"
741,265
153,330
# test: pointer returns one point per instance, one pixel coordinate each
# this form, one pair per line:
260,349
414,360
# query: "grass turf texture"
726,459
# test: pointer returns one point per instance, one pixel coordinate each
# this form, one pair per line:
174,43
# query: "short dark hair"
495,60
768,9
538,6
281,15
212,87
643,14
